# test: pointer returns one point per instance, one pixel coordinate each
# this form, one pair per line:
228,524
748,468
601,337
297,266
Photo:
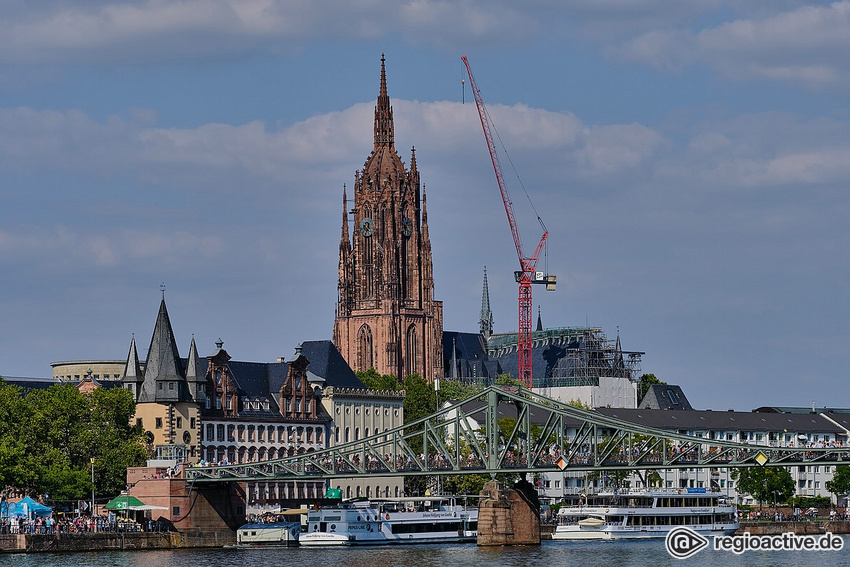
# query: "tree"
765,484
457,390
644,382
840,483
375,381
48,439
507,380
419,399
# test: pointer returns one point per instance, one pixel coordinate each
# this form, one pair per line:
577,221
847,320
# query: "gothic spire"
163,369
539,320
383,113
485,320
619,362
344,240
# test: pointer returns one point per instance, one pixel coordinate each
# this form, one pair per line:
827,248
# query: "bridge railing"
539,435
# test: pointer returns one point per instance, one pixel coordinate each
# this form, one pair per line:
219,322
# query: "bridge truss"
540,435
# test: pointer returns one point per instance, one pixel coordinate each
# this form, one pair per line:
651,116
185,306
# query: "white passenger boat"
269,534
646,514
392,521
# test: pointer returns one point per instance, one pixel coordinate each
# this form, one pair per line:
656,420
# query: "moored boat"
392,521
268,534
646,514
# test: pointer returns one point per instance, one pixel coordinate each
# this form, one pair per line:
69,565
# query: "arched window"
365,360
411,351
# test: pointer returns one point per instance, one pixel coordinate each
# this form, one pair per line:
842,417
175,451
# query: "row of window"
240,433
178,423
347,434
377,411
94,377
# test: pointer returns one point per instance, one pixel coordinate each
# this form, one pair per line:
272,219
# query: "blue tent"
9,510
26,507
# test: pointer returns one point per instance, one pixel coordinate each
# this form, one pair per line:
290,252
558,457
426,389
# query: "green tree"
840,483
419,398
49,437
765,484
464,484
375,381
644,382
457,390
507,380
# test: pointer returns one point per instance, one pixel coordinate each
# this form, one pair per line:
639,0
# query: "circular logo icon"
684,542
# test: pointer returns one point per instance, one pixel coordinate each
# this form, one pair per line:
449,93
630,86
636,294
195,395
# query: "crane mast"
528,264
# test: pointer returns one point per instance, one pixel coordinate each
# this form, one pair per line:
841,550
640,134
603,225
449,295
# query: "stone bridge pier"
508,516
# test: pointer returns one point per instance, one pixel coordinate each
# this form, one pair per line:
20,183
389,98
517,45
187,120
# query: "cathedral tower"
386,315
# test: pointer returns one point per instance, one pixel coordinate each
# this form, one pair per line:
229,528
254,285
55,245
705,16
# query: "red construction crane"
527,273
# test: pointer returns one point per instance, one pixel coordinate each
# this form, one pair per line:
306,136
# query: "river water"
548,554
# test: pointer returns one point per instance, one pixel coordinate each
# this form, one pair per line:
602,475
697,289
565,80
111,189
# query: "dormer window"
218,376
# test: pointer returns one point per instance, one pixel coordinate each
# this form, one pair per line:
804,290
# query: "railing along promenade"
545,436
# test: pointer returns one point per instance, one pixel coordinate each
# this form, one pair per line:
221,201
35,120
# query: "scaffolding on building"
575,356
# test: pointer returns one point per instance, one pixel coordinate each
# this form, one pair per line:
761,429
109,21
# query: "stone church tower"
386,315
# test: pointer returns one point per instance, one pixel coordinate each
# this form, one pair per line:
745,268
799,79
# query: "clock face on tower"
406,227
366,227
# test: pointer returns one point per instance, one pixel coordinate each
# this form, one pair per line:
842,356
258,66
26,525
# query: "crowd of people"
792,515
76,524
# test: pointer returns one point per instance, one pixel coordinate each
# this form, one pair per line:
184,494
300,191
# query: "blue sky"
690,159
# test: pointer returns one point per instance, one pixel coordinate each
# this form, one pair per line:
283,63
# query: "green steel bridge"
546,436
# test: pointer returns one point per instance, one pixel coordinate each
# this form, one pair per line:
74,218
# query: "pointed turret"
383,113
132,376
193,377
164,377
485,319
539,320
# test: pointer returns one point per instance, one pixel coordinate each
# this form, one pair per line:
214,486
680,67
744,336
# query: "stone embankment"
33,543
811,527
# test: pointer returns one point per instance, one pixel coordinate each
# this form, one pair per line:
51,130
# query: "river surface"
549,554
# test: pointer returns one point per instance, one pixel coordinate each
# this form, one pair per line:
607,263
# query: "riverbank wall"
35,543
812,527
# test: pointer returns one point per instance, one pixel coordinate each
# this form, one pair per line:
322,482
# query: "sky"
691,161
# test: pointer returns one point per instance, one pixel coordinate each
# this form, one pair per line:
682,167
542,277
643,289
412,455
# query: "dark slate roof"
665,397
28,384
470,356
163,364
704,420
327,362
263,380
797,409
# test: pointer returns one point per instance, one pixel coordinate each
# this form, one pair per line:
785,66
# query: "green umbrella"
123,503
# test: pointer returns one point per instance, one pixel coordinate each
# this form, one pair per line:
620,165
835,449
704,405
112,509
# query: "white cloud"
155,29
804,45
